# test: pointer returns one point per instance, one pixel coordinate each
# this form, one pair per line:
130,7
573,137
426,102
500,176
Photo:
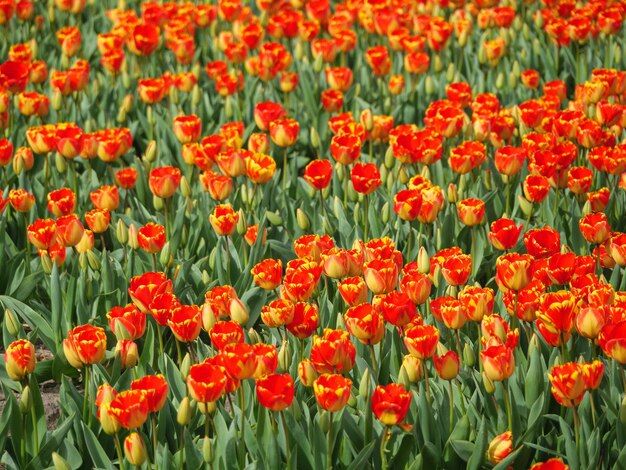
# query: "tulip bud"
425,173
500,81
212,258
60,163
183,416
307,373
318,63
357,214
384,213
46,263
185,366
196,95
185,188
469,357
587,208
450,72
121,116
151,151
325,418
536,45
512,82
174,95
302,219
327,226
25,400
135,449
132,237
337,207
403,177
412,367
254,337
274,218
525,205
315,138
59,462
423,261
482,56
617,54
437,64
157,202
403,378
11,323
207,449
453,195
284,356
57,100
165,257
364,386
390,161
239,312
298,52
489,385
429,85
121,232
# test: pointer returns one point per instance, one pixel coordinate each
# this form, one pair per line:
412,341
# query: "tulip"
151,238
164,181
447,365
186,322
500,447
568,383
332,391
85,345
365,323
275,391
224,219
225,332
391,403
19,359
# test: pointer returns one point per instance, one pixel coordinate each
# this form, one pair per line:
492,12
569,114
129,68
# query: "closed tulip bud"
622,411
500,81
196,95
135,449
151,151
384,174
325,418
207,450
337,207
57,100
403,177
185,366
18,165
490,387
357,214
384,213
453,195
412,367
184,414
284,356
25,400
133,243
512,82
254,337
536,45
185,188
165,257
450,72
150,116
239,312
241,223
423,261
390,160
60,163
482,56
302,219
157,202
212,258
429,85
13,326
274,218
341,173
425,173
364,386
126,79
469,357
59,462
298,51
617,54
437,64
121,232
403,378
174,95
463,38
46,263
327,226
525,205
121,116
587,208
228,107
318,63
315,138
452,291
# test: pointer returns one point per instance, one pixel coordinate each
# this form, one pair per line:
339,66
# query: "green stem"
286,431
242,448
86,393
285,165
409,242
383,448
426,382
507,405
227,259
329,456
160,335
577,429
374,363
366,217
120,455
23,441
451,393
155,442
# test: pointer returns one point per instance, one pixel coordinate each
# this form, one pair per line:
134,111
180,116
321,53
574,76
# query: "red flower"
143,39
612,340
318,174
421,340
595,228
447,365
284,132
19,359
151,237
542,242
144,289
156,389
164,181
513,271
471,211
129,408
127,322
365,177
224,219
332,391
240,360
266,113
536,188
162,306
568,383
345,148
334,352
186,322
407,203
61,202
555,317
353,290
187,128
85,345
206,382
498,362
275,391
365,323
305,320
391,403
504,234
467,156
226,332
456,269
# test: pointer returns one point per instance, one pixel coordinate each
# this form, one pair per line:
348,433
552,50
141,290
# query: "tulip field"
313,234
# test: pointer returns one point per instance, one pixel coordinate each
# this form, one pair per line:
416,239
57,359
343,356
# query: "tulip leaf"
464,449
36,321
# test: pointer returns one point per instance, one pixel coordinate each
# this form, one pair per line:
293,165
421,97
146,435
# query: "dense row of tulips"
312,233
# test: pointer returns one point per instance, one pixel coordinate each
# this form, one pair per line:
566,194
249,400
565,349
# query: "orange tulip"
19,359
332,391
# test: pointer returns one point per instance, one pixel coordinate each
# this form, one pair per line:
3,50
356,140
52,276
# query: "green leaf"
36,321
362,457
52,443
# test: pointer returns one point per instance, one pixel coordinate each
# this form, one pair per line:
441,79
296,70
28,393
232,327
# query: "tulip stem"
374,363
480,348
507,405
166,213
286,431
120,455
366,217
593,408
383,447
154,261
322,209
227,259
576,428
160,335
329,457
461,396
458,345
451,391
242,449
86,391
409,242
23,441
426,383
508,198
155,442
285,169
178,352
